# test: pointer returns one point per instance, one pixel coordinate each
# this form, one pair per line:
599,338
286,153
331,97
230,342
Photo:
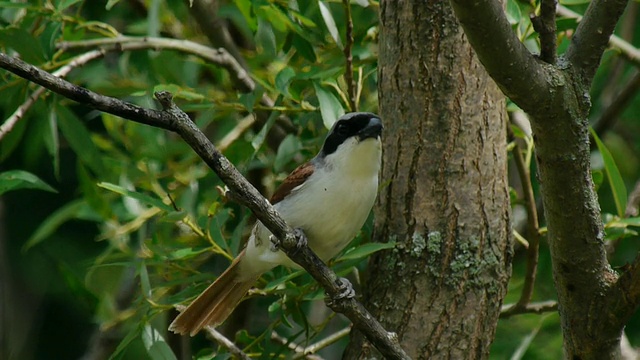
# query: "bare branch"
628,51
510,64
592,36
633,204
613,111
533,308
12,120
219,57
545,25
533,227
317,346
348,47
205,12
174,119
623,299
228,344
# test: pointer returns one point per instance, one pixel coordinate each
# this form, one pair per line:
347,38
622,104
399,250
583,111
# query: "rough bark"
594,303
446,203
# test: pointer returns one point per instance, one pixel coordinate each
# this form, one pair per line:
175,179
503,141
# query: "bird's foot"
346,292
299,237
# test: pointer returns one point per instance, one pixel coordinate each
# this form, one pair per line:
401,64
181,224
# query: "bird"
328,198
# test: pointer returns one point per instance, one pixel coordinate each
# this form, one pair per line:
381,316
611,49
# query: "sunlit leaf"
330,107
19,179
613,175
156,346
287,149
283,79
365,250
136,195
66,3
330,23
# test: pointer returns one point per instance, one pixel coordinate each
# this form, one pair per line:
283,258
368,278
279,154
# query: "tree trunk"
446,200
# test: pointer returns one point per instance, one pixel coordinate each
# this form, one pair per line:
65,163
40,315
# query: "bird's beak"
372,130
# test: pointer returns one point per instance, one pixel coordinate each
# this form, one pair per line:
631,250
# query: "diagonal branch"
508,62
174,119
592,35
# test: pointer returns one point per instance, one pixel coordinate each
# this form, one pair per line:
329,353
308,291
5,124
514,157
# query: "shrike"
329,198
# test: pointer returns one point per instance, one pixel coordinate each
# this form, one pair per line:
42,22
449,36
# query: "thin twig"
532,308
315,347
228,344
532,224
348,47
77,61
545,25
633,204
298,349
173,119
613,111
219,57
630,52
242,126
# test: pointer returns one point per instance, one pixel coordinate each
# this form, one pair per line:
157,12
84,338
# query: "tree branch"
624,297
508,62
220,57
627,50
348,47
545,25
174,119
613,111
592,36
533,227
533,308
205,12
228,344
79,60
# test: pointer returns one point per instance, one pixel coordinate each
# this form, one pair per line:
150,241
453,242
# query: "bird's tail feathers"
216,303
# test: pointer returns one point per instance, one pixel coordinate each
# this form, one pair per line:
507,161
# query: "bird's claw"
300,237
346,292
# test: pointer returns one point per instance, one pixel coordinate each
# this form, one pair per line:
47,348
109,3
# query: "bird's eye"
341,129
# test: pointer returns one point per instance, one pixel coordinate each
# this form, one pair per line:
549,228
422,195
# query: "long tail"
216,303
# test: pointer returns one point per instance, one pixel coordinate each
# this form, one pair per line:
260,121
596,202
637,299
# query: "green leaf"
69,211
79,139
111,3
155,344
365,250
330,107
265,38
283,79
27,45
286,150
331,23
304,47
136,195
574,2
20,179
66,3
52,142
613,175
258,140
514,15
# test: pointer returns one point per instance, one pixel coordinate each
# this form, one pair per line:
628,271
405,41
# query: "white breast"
330,207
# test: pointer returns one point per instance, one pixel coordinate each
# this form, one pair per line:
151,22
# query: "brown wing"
297,177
